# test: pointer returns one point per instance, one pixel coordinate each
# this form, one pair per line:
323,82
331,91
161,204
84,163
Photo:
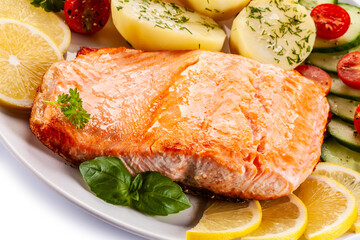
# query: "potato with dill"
156,25
277,32
217,9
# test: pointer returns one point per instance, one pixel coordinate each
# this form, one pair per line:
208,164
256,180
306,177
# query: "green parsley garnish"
71,107
49,5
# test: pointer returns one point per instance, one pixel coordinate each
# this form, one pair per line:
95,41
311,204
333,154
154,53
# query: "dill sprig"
71,106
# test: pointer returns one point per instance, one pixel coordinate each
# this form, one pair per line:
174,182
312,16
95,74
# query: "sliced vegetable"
87,16
357,119
331,20
334,152
310,4
316,74
217,9
340,89
344,133
349,40
348,69
156,25
342,107
277,32
328,61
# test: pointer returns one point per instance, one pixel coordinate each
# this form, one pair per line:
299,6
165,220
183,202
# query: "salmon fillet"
207,120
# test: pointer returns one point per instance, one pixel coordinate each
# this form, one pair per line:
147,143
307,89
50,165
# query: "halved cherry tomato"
316,74
332,21
357,119
348,69
86,16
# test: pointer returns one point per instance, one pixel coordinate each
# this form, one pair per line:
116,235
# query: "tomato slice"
87,16
348,69
316,74
332,21
357,119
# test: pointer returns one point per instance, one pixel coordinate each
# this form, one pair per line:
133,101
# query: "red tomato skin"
86,16
357,119
348,69
316,74
331,20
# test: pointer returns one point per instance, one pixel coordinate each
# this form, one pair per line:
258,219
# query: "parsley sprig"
49,5
71,107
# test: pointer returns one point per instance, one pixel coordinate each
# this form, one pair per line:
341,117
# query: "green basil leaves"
159,195
149,192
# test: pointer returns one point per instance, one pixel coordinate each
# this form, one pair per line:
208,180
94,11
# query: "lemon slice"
227,220
283,218
25,54
331,207
347,177
48,22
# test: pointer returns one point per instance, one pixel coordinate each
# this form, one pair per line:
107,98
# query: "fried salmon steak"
208,120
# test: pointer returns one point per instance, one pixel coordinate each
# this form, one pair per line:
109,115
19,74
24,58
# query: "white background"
29,209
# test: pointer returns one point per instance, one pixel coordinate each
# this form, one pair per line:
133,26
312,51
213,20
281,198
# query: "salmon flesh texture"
208,120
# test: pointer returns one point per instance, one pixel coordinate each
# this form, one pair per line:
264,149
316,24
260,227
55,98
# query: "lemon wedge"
227,220
331,207
347,177
48,22
283,218
25,54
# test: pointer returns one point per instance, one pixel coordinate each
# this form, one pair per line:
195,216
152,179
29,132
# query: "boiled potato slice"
217,9
156,25
277,32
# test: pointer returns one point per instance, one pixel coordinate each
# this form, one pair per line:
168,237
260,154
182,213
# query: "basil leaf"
135,186
108,178
150,192
159,195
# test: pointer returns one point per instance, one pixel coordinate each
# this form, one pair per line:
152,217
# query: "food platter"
66,179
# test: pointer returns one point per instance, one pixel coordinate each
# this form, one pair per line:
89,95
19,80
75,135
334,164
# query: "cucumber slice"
349,40
328,61
344,133
343,108
310,4
334,152
340,89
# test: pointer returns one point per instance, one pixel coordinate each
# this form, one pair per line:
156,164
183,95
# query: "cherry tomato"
357,119
316,74
86,16
348,69
332,21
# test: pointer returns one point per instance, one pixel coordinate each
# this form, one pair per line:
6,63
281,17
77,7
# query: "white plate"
67,181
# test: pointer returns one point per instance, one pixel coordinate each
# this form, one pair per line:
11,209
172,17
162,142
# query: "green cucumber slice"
328,61
310,4
334,152
344,133
342,107
349,40
341,89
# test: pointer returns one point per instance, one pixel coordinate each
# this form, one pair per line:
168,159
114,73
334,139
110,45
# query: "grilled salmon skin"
208,120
